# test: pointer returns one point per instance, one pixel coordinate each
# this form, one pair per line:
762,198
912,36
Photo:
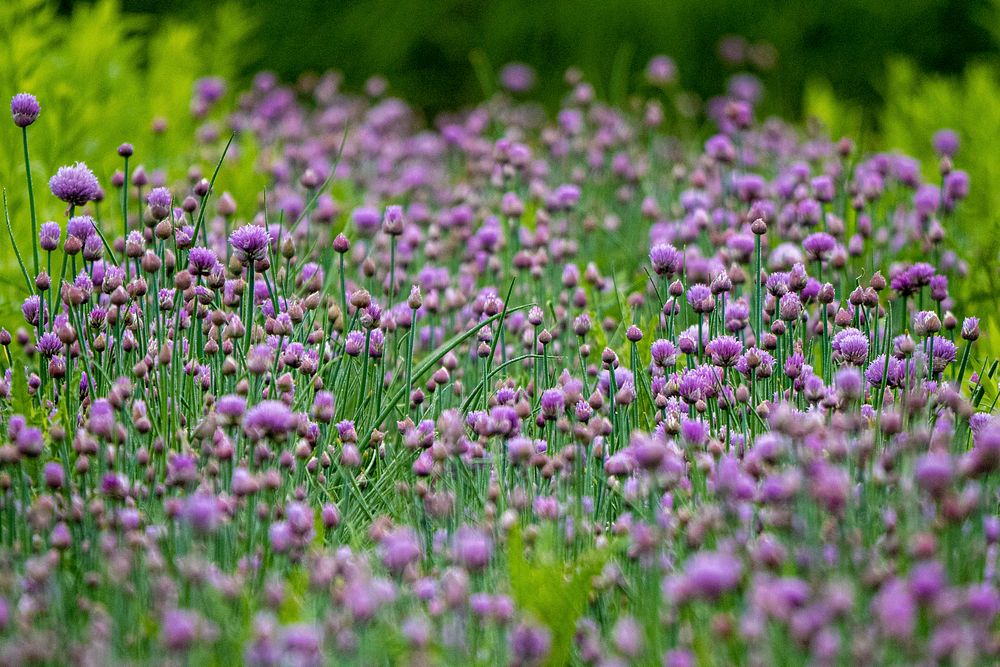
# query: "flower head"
709,574
725,350
76,184
818,246
399,548
517,77
81,227
666,259
272,418
24,108
392,223
366,220
250,242
945,142
159,202
202,260
48,236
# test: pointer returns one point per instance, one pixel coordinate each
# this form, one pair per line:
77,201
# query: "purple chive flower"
54,475
367,220
511,206
159,200
76,184
628,636
48,236
956,187
757,361
279,534
933,472
851,346
693,432
985,454
895,610
700,298
399,548
347,431
849,382
30,442
945,142
666,259
81,227
202,512
737,315
823,188
354,344
944,354
49,344
777,284
720,148
818,246
301,519
927,580
623,378
921,273
709,574
926,200
939,287
24,108
210,89
790,307
250,243
876,371
179,629
725,350
201,261
664,352
983,602
231,406
31,309
302,645
101,421
553,403
926,322
970,328
529,645
566,196
520,449
472,548
517,77
392,223
661,70
269,418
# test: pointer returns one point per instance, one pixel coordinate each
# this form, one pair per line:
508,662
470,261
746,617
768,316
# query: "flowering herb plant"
508,390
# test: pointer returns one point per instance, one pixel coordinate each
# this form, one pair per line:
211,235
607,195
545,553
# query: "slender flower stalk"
31,199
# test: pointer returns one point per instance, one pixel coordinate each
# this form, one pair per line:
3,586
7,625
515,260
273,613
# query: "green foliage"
840,118
102,77
292,606
440,54
554,588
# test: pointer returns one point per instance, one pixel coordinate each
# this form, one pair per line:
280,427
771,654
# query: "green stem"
965,362
248,324
392,270
31,198
758,306
128,274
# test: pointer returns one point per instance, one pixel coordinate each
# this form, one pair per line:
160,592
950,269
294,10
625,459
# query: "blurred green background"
423,46
887,72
